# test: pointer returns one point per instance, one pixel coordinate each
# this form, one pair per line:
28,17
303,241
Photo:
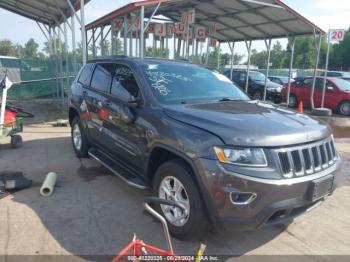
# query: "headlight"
275,89
241,156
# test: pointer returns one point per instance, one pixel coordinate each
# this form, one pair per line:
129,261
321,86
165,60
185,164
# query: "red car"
337,96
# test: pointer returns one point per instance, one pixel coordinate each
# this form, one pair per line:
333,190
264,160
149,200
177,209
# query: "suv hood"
251,123
269,85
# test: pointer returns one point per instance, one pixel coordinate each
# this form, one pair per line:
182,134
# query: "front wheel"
344,108
258,95
173,181
16,141
79,138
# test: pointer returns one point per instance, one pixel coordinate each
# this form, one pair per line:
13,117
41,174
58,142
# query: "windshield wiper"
226,99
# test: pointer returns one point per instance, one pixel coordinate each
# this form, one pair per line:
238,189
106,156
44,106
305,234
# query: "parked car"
337,95
340,74
256,84
195,138
281,80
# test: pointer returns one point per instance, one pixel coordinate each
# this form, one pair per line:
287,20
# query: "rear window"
86,73
342,84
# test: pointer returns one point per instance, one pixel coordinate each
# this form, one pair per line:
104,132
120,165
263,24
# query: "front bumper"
276,201
275,97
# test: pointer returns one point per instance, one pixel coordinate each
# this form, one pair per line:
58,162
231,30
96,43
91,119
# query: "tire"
344,108
81,148
193,225
293,101
16,141
258,95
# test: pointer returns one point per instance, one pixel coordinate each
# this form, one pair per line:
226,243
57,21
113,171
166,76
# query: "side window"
330,87
235,75
243,76
319,83
85,75
308,82
102,77
124,84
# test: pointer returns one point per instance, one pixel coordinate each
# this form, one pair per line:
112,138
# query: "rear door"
304,90
95,98
84,81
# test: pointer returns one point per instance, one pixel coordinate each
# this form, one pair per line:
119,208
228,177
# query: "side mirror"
133,102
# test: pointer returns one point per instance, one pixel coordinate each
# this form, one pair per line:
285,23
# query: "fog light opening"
242,198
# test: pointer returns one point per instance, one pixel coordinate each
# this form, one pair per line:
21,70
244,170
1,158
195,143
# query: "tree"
7,48
47,47
259,58
30,49
157,52
118,47
278,56
225,58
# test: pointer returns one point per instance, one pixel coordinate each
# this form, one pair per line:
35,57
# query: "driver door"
126,134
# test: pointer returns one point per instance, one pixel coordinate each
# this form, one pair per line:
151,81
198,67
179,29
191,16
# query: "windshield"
342,84
256,76
285,80
179,83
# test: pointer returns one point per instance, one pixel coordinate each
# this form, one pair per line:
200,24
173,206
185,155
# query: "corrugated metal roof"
44,11
236,20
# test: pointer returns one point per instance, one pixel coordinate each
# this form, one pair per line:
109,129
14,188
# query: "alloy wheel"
77,140
172,189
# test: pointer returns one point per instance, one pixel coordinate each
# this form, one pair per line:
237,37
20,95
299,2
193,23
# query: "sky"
327,14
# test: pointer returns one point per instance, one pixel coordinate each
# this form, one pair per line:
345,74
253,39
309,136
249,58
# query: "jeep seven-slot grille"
307,159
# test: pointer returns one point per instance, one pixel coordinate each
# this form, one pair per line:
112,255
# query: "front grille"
307,159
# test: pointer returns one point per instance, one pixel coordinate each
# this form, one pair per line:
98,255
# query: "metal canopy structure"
48,12
236,20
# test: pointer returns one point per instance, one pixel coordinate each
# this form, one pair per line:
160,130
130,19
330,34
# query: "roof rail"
109,57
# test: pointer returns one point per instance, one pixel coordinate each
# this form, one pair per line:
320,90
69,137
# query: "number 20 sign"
336,34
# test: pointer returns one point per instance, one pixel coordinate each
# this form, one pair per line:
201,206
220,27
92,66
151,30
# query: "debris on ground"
11,182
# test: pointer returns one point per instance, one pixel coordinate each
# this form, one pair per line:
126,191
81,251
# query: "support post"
51,52
125,24
130,43
93,43
290,68
74,47
56,60
102,42
142,31
268,46
232,47
219,53
66,58
318,48
208,50
83,31
175,51
249,48
187,38
61,64
326,68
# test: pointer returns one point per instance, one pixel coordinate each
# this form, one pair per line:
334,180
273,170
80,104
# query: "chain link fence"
39,78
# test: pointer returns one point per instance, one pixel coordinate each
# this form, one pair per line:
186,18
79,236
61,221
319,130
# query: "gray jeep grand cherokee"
195,138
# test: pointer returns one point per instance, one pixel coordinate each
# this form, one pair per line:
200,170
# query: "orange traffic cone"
301,107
